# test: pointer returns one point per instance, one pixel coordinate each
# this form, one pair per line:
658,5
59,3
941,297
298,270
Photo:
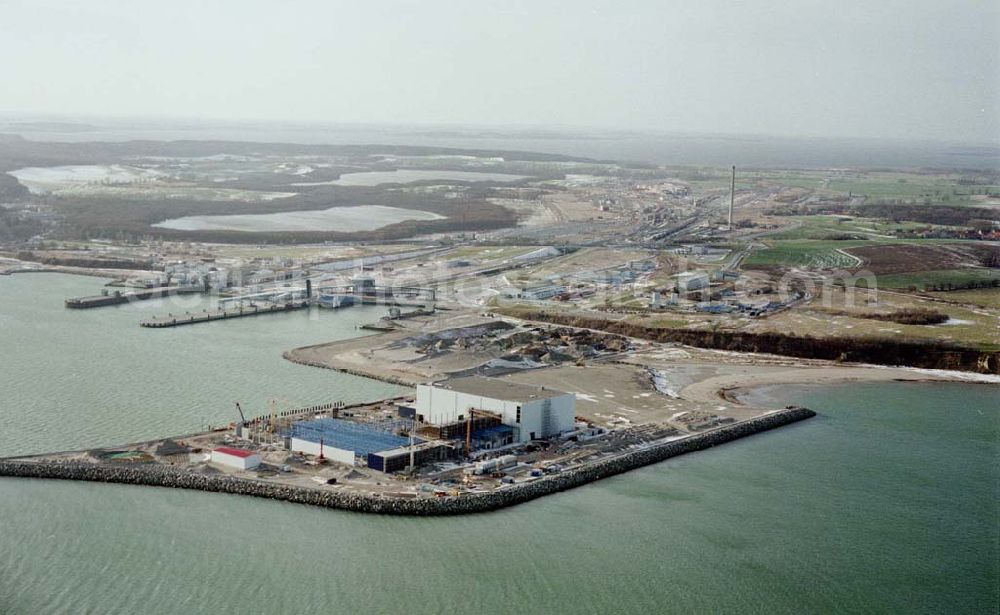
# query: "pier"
240,311
118,297
171,320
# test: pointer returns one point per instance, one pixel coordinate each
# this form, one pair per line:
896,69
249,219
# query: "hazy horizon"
896,71
31,122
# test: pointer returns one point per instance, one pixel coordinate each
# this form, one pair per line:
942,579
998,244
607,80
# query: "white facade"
340,455
235,461
687,281
535,412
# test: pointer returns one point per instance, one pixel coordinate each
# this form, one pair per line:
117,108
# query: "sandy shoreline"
733,387
690,379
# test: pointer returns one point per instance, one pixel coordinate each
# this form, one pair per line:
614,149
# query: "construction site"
458,436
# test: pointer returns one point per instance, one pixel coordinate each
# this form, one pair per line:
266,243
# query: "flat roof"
347,435
235,452
498,388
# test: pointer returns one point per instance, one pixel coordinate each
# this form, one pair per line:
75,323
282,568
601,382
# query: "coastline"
295,356
732,387
706,377
90,272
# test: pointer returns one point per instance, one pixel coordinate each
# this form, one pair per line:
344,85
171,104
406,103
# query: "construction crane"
275,422
243,419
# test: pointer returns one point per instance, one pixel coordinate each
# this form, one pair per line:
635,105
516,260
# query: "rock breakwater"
162,476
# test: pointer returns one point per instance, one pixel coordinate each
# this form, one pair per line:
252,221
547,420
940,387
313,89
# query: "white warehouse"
238,458
534,412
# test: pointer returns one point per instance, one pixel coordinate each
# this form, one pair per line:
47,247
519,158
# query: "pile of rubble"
697,420
538,345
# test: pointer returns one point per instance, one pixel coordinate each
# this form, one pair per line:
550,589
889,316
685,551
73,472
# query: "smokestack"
732,197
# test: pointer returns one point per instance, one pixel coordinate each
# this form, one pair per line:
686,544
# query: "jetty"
191,318
117,297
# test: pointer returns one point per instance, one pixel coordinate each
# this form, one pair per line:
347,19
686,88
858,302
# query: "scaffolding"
457,429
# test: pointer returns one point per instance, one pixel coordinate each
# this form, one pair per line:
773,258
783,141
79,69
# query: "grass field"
983,297
817,254
943,188
922,279
825,227
805,253
490,253
971,326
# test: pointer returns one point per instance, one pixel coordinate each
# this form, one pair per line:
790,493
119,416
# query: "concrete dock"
176,320
117,297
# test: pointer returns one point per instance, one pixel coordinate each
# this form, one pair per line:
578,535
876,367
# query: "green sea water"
78,378
885,502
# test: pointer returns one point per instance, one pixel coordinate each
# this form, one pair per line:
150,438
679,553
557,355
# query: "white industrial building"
319,449
238,458
533,411
686,282
534,293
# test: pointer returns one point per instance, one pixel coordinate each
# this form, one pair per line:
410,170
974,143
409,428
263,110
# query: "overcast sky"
879,68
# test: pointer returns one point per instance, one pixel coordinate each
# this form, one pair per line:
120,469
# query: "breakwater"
118,297
161,322
163,476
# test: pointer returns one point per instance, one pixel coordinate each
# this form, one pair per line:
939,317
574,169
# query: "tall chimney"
732,197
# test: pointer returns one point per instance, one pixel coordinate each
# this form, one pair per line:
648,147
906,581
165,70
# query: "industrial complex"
588,314
450,420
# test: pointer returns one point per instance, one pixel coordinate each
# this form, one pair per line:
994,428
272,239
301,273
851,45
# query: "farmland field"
976,327
984,297
885,256
902,258
805,253
827,227
936,188
932,278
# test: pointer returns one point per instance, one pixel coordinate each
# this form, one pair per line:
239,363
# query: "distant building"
363,285
641,265
534,293
540,293
335,301
687,282
720,275
533,411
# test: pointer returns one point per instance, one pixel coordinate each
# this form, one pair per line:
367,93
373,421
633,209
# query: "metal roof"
347,435
235,452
